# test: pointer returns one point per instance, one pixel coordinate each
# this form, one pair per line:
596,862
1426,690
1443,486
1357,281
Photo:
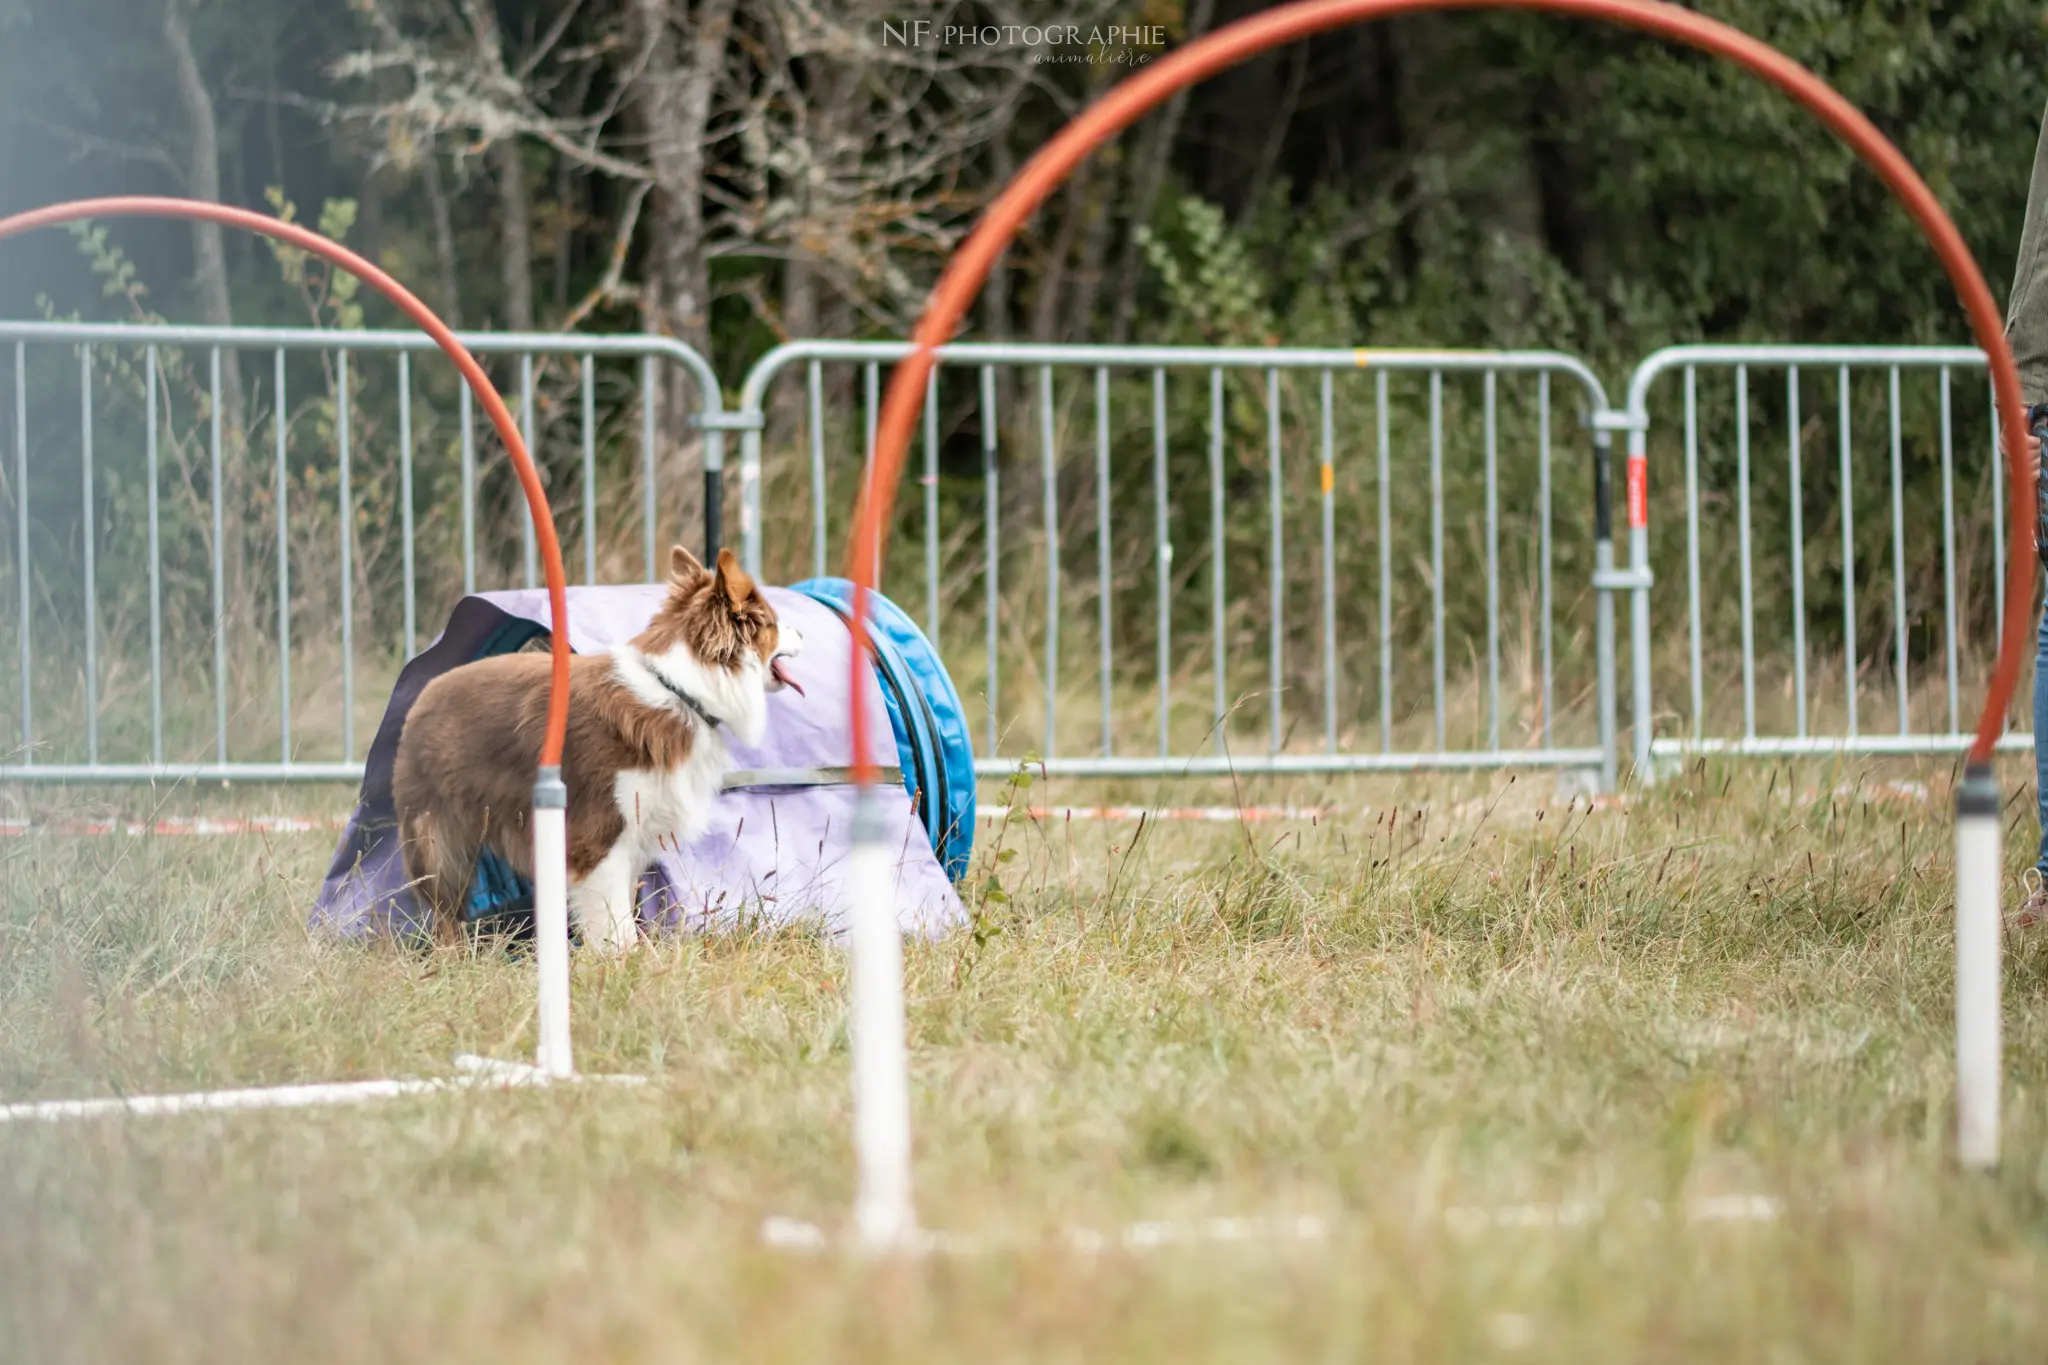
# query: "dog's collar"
703,712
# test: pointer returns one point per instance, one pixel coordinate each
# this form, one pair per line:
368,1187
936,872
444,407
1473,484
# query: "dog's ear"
683,567
733,583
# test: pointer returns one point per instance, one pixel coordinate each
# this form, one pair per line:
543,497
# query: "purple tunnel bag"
771,857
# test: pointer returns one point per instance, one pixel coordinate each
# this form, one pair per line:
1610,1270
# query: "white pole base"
884,1219
551,921
1980,866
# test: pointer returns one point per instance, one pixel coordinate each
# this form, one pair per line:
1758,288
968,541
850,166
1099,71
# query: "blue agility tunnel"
926,715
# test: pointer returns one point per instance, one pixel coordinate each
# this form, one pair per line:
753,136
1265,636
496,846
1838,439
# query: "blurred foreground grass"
1435,1003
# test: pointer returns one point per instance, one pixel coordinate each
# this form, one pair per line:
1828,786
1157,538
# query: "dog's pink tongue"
780,671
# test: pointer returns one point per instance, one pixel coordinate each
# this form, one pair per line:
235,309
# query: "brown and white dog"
645,756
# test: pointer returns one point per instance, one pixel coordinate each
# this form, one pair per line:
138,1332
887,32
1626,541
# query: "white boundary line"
478,1073
1212,814
177,826
205,826
1719,1208
794,1234
1234,814
797,1235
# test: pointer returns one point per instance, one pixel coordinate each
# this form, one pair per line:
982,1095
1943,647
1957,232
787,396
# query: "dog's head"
716,633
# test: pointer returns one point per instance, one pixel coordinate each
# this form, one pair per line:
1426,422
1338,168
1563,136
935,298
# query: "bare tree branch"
96,144
611,288
548,41
467,90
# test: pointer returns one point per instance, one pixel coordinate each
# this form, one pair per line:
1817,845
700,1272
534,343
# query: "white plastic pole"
883,1215
551,920
1978,997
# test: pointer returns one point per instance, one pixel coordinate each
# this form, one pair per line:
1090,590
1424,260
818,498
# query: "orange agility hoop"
1238,42
550,797
153,206
884,1214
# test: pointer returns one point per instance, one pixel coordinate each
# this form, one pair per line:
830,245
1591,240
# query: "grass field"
1511,1053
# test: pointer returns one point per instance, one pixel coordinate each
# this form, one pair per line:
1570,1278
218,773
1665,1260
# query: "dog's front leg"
603,903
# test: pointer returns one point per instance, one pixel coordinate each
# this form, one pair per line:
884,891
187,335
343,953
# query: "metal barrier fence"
1938,625
1295,436
142,407
1380,568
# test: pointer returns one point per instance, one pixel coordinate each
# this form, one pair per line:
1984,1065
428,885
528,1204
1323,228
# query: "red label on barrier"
1638,492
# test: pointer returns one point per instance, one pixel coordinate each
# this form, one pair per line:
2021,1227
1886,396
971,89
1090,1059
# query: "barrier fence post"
1603,603
1607,581
1639,595
750,485
714,494
714,423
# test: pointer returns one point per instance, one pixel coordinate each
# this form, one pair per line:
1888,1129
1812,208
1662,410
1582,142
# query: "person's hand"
2033,450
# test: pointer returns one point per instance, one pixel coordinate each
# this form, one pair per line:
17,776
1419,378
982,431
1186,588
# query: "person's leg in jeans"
2026,329
2037,902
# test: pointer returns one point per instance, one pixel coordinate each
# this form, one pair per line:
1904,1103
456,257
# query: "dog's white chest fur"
663,810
